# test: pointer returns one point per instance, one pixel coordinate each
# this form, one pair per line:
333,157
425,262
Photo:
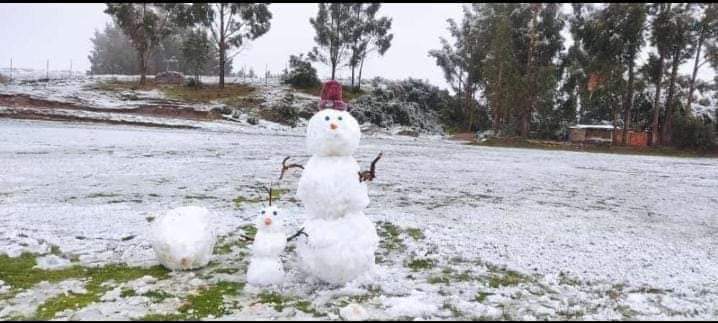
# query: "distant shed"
591,133
605,134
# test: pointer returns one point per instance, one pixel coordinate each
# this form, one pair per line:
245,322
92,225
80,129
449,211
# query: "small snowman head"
332,133
269,219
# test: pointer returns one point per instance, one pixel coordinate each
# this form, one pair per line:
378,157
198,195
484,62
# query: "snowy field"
467,232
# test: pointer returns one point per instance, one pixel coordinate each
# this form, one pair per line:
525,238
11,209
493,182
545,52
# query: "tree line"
205,37
509,62
509,66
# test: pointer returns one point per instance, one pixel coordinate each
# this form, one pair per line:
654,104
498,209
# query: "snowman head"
332,133
269,219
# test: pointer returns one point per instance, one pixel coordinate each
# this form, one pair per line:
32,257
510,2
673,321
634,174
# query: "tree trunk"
628,104
695,70
353,67
222,46
467,105
497,104
655,132
530,75
143,68
361,67
668,122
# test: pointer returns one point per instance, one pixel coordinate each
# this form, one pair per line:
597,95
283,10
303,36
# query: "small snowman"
265,266
183,238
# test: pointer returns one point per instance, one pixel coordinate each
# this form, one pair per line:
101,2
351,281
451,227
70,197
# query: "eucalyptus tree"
233,25
369,34
146,25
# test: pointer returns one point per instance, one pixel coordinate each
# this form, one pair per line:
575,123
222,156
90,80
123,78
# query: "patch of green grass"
277,193
225,244
442,279
209,301
448,275
249,229
508,278
276,300
481,296
279,302
455,312
157,295
419,264
389,235
307,307
415,233
164,317
200,197
225,271
127,292
95,290
17,272
55,250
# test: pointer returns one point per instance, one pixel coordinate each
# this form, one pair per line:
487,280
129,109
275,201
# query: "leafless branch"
285,167
369,175
300,232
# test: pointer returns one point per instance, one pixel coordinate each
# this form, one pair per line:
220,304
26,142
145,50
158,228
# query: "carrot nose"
267,221
333,126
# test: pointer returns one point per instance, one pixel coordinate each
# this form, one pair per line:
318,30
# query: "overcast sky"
32,33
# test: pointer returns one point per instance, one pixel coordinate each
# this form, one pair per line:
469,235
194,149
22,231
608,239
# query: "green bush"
301,74
285,112
691,132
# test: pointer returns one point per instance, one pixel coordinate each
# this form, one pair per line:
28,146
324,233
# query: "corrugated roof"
593,126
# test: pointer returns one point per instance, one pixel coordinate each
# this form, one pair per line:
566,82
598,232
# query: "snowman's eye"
264,211
340,118
275,213
326,118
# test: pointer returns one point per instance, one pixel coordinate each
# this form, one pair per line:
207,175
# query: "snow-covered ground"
468,231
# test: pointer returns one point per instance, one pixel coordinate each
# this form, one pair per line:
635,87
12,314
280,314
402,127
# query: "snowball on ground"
183,238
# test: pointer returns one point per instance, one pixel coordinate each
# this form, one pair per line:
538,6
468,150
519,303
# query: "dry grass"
204,93
207,93
595,148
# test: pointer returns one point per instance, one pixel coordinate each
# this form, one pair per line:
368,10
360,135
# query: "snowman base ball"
338,250
183,238
265,271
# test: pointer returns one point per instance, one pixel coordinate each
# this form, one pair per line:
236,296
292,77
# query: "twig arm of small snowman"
294,236
369,175
285,167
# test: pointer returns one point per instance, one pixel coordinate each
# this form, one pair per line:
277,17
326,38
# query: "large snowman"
340,240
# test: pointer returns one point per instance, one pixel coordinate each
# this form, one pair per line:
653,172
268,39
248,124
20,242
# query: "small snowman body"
341,240
265,264
183,238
